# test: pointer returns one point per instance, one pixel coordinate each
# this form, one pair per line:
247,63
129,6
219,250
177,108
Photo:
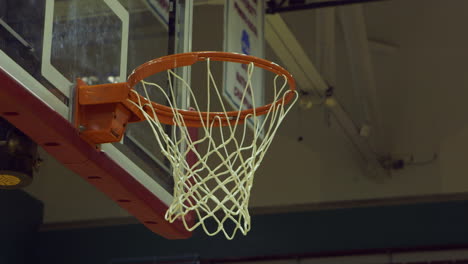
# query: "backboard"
46,45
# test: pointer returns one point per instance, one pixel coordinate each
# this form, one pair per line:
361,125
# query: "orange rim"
192,118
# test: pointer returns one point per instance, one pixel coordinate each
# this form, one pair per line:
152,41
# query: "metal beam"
284,6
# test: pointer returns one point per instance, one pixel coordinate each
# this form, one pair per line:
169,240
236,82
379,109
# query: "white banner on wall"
243,33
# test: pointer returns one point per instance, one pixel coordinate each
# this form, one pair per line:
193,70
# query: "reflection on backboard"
46,45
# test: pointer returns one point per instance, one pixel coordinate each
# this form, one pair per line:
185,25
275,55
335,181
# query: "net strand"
219,193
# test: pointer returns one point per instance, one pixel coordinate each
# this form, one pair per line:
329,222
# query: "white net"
216,188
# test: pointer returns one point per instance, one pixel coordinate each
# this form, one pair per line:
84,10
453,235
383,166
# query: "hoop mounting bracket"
101,114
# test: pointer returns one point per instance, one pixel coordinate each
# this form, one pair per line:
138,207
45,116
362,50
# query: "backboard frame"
32,108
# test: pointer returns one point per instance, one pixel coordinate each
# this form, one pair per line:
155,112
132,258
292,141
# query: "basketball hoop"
216,188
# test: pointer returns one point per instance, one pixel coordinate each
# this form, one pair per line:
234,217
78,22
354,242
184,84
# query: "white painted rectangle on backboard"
243,33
